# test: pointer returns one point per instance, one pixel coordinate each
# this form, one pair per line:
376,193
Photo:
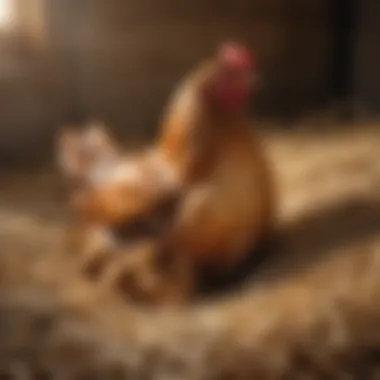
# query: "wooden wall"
118,60
367,58
129,55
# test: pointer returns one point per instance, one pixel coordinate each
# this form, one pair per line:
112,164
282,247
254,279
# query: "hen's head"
227,82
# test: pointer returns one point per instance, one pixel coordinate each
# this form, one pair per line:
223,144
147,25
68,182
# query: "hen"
205,183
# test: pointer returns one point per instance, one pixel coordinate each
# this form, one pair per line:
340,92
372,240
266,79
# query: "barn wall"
30,95
118,60
132,53
367,57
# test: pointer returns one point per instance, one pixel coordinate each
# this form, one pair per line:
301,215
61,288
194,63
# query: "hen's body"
229,202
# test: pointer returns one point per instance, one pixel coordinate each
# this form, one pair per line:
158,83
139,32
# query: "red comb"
237,55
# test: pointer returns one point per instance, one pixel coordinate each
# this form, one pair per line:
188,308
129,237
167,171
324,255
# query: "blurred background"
65,61
68,60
